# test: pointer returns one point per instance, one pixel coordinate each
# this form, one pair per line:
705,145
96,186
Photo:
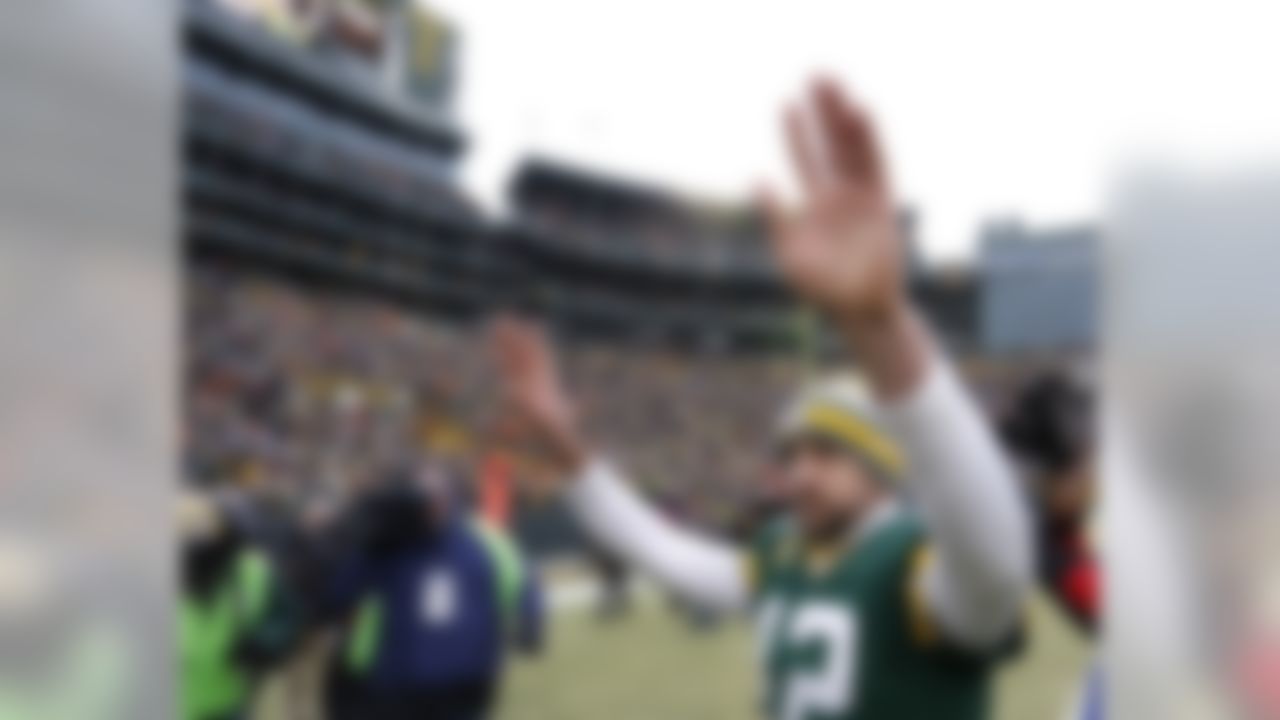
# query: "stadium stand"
310,391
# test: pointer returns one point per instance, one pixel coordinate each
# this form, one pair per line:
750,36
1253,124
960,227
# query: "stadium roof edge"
537,167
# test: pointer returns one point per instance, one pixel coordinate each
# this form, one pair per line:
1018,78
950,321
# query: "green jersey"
845,639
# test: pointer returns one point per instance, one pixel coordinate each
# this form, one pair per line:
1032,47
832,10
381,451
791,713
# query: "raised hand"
840,248
533,391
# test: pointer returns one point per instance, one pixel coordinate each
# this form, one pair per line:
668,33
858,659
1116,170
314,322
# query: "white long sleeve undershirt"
956,478
707,571
967,496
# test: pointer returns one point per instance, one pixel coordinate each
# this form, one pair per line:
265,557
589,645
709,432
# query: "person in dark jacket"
1049,429
432,597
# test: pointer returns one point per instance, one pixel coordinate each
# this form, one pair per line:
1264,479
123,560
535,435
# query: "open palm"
840,248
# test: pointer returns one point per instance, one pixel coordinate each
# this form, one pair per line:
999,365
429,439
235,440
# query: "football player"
896,578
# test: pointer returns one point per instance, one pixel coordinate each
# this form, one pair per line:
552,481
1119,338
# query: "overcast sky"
990,108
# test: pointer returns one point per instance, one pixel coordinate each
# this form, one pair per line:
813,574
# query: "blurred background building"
1039,289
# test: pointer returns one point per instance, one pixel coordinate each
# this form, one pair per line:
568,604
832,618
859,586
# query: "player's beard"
832,529
837,526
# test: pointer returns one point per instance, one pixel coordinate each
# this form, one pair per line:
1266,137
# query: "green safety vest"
213,685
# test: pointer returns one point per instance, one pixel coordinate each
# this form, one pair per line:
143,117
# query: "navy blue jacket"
439,612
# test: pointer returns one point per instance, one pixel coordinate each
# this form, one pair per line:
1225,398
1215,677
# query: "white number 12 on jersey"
827,689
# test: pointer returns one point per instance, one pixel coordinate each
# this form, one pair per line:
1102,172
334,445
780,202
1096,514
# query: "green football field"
652,666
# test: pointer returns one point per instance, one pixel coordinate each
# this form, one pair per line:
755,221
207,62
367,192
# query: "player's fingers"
805,155
849,134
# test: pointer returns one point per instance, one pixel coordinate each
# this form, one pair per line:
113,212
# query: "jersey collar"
820,560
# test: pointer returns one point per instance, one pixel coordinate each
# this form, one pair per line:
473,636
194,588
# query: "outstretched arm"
842,251
701,569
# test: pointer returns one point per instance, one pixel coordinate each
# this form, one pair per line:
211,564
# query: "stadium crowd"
305,394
